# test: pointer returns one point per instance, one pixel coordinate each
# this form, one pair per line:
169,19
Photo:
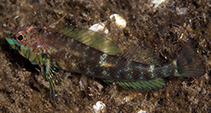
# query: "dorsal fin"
142,53
54,24
92,39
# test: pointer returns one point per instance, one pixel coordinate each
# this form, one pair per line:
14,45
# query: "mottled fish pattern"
91,53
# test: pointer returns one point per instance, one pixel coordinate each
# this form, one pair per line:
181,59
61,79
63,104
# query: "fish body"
91,53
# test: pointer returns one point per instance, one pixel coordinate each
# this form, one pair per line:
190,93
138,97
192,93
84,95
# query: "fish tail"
189,63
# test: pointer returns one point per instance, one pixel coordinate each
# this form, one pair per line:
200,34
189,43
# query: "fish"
91,53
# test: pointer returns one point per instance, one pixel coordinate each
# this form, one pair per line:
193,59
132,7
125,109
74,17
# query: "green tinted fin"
92,39
189,63
52,85
53,90
47,71
149,85
108,81
142,53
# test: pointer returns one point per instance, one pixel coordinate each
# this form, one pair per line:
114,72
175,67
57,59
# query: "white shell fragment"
141,111
99,27
128,98
157,2
119,20
182,11
99,107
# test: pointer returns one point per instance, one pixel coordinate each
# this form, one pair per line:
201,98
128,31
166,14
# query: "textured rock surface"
165,29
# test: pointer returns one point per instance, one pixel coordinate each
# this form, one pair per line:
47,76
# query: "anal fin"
149,85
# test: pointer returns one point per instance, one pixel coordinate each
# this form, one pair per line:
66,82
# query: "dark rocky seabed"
165,29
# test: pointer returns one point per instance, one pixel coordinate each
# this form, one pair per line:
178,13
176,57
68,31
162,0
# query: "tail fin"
189,63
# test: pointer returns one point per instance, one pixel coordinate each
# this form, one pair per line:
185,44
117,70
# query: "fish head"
22,41
19,37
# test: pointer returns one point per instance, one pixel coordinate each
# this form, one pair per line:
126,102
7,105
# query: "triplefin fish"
91,53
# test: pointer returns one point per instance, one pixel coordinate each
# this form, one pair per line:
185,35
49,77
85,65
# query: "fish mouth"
10,38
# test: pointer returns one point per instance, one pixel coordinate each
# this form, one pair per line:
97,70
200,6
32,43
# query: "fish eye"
20,37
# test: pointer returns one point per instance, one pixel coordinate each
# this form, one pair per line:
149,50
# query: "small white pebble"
157,2
127,98
121,22
81,85
16,17
206,76
99,107
4,25
99,27
41,2
182,11
141,111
